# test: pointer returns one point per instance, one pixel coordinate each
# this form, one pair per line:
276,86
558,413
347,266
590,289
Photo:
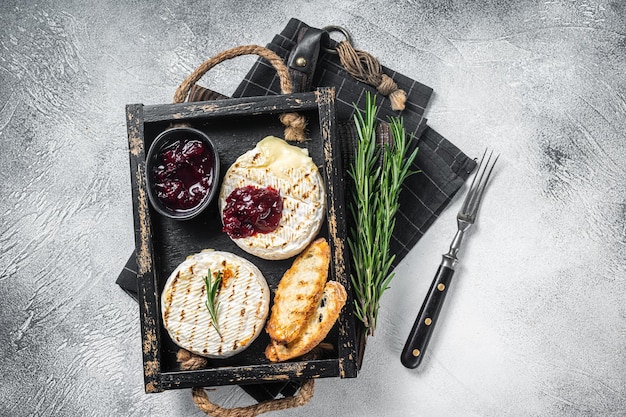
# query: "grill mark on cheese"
186,290
200,305
244,300
168,299
227,275
244,342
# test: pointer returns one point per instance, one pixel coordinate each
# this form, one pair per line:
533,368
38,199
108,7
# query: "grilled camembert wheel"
242,304
274,166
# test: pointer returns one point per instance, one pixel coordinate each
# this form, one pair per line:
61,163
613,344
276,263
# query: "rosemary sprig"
373,208
212,291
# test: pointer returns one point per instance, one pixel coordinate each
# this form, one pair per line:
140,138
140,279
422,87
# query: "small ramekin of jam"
182,172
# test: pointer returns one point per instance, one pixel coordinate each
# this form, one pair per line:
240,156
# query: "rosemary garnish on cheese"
212,291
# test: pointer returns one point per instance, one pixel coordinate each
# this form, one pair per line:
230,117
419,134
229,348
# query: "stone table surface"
535,324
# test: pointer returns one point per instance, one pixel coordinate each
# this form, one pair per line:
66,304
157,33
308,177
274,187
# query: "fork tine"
475,194
473,186
484,179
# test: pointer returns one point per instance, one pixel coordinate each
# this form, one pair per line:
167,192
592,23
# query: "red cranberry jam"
250,210
183,174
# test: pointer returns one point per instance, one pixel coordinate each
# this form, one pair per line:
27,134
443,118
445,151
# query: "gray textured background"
535,323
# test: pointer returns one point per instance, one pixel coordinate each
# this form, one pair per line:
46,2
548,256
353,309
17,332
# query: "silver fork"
424,325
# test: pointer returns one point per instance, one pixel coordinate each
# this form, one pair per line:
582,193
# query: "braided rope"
189,361
366,68
294,123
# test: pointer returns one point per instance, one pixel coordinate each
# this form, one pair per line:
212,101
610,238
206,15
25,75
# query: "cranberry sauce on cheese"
250,210
273,164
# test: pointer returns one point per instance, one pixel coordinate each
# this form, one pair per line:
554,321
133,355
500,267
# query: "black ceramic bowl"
182,176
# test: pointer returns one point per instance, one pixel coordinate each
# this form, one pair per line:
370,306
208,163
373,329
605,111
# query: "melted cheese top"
281,157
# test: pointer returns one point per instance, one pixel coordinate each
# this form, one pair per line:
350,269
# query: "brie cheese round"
243,304
290,170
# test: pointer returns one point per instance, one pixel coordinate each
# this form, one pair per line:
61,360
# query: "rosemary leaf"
212,291
373,207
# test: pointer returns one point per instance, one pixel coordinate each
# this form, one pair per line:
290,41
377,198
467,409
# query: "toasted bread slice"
299,292
316,328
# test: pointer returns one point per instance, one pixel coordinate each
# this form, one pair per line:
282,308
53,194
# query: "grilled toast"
316,328
299,292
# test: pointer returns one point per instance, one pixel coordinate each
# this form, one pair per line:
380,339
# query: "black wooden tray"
235,126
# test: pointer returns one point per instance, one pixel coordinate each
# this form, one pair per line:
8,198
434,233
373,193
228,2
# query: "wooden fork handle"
427,318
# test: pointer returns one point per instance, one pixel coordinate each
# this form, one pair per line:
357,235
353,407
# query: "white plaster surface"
535,322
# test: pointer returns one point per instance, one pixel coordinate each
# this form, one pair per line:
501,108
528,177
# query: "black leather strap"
303,58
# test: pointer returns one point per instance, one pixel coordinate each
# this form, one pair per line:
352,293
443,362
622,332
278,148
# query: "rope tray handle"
189,361
294,123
